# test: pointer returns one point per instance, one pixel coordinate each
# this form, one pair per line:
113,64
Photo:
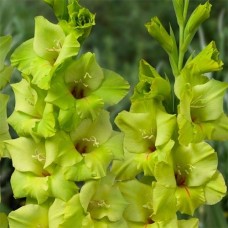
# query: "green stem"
181,51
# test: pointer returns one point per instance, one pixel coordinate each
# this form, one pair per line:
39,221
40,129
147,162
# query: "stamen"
93,140
87,75
38,156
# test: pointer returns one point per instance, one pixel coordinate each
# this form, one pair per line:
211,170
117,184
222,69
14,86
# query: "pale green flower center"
81,86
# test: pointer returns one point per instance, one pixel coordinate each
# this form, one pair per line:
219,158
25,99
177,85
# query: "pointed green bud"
178,6
156,30
199,15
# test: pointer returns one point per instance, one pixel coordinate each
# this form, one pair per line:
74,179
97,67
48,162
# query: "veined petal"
25,184
207,100
70,48
66,214
127,168
139,209
188,199
46,46
89,107
197,163
112,89
27,61
217,129
105,201
215,189
85,71
56,213
206,61
140,135
166,124
61,188
30,215
164,174
61,150
46,126
33,155
101,129
59,95
164,202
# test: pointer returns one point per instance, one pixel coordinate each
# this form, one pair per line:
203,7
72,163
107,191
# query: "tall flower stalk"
72,168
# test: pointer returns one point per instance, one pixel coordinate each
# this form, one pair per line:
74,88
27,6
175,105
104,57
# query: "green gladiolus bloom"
200,114
31,177
188,177
99,204
102,199
66,213
44,50
98,144
144,139
82,88
32,116
139,209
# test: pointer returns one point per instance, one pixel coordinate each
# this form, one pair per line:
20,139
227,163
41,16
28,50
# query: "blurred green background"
120,40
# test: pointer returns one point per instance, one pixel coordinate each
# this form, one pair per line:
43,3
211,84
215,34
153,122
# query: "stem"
181,51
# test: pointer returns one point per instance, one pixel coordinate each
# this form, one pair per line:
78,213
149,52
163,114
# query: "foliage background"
120,40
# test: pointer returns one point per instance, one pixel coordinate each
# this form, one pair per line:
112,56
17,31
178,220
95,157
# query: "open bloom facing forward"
200,114
82,88
144,139
32,178
189,179
32,116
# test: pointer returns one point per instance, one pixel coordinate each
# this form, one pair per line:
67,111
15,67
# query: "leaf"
4,220
4,128
5,43
5,76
